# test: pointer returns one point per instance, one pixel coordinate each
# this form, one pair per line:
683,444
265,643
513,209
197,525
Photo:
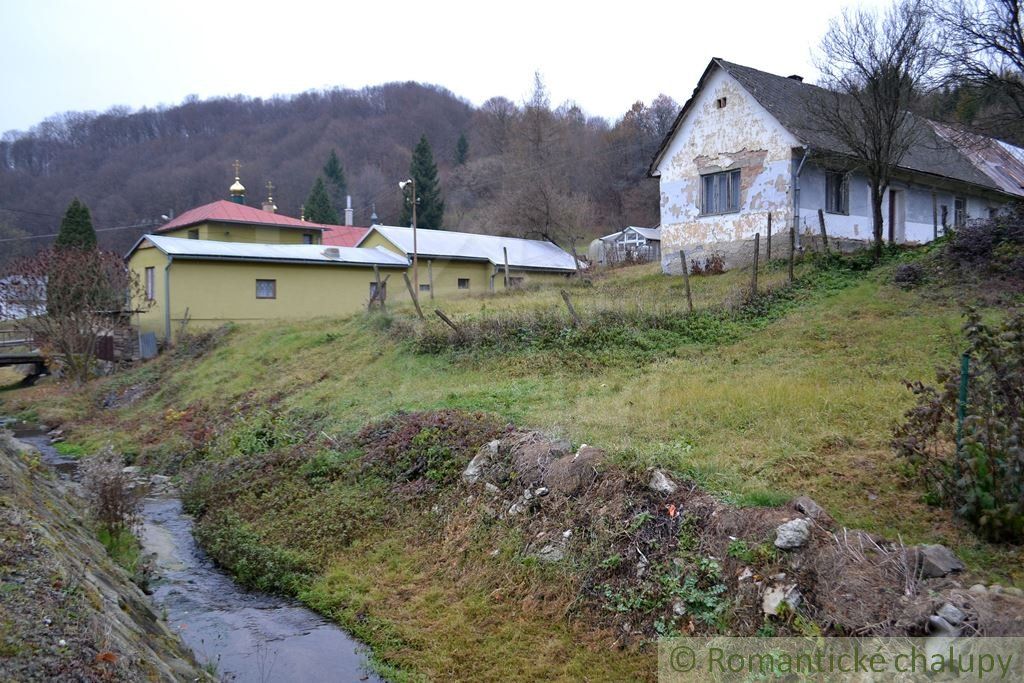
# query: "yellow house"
230,221
202,283
451,263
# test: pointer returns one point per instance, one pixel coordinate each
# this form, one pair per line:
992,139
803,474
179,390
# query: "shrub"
254,563
711,265
327,465
982,478
261,431
113,501
432,445
908,275
995,244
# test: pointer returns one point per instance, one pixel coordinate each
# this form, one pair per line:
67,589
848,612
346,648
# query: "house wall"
741,135
446,274
916,214
237,232
216,292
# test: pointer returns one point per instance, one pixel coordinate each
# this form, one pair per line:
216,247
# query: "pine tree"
422,169
76,231
318,205
461,150
337,187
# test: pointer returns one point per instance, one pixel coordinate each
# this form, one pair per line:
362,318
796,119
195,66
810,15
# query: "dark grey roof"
794,104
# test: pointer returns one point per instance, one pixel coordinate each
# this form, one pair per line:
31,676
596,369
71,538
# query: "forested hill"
529,167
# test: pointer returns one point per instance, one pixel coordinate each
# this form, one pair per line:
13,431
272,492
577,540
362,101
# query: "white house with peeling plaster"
745,153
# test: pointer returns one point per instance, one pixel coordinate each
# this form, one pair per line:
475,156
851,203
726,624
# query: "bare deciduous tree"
874,66
66,299
981,45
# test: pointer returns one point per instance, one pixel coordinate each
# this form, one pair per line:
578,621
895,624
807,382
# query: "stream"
241,634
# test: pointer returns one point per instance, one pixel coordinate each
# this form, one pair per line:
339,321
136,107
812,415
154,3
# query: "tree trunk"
877,194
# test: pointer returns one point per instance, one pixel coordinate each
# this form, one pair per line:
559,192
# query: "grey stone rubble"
475,469
952,614
938,626
933,561
660,483
793,534
551,553
809,507
777,595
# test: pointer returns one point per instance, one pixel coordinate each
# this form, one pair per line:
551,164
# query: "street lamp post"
415,270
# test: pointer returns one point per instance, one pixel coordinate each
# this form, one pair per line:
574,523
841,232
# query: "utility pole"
415,269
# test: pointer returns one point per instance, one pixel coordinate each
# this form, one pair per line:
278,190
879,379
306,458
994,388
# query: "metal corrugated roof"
649,233
293,253
522,253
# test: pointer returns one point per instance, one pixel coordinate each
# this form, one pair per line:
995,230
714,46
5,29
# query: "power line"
144,224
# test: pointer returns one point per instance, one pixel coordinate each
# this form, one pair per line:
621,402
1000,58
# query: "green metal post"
961,406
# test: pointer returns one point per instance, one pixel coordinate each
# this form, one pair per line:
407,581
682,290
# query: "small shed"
632,244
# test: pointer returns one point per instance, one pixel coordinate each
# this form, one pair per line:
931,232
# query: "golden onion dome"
237,188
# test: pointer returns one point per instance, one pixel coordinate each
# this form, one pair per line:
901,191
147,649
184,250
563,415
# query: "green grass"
799,398
71,450
123,547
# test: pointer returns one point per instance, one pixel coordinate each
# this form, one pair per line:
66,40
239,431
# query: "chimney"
348,210
796,77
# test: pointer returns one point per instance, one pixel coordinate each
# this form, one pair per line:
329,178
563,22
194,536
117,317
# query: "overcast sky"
60,55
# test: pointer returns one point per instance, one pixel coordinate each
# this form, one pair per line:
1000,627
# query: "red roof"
342,235
223,211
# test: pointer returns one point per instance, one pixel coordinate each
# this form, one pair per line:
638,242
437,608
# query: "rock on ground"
793,534
661,483
933,561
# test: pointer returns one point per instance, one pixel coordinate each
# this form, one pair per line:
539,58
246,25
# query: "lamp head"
402,184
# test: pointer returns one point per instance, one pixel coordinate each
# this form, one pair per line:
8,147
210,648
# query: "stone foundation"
740,253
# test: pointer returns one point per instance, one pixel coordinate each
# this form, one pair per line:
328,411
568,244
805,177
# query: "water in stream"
247,636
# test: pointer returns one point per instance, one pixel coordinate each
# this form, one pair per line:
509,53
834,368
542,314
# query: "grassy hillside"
794,394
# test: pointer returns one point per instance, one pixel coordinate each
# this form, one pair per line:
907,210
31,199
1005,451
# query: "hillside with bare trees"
529,167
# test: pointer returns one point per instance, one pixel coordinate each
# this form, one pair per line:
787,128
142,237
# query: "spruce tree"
461,150
422,169
76,231
318,205
337,187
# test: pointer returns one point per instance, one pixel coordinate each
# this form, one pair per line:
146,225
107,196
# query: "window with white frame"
837,192
150,283
720,192
266,289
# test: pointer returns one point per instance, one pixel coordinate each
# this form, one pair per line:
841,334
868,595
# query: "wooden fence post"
757,253
505,249
447,321
572,311
768,246
686,279
824,235
792,251
415,299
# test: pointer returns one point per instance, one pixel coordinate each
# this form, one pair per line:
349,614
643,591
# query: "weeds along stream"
235,634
